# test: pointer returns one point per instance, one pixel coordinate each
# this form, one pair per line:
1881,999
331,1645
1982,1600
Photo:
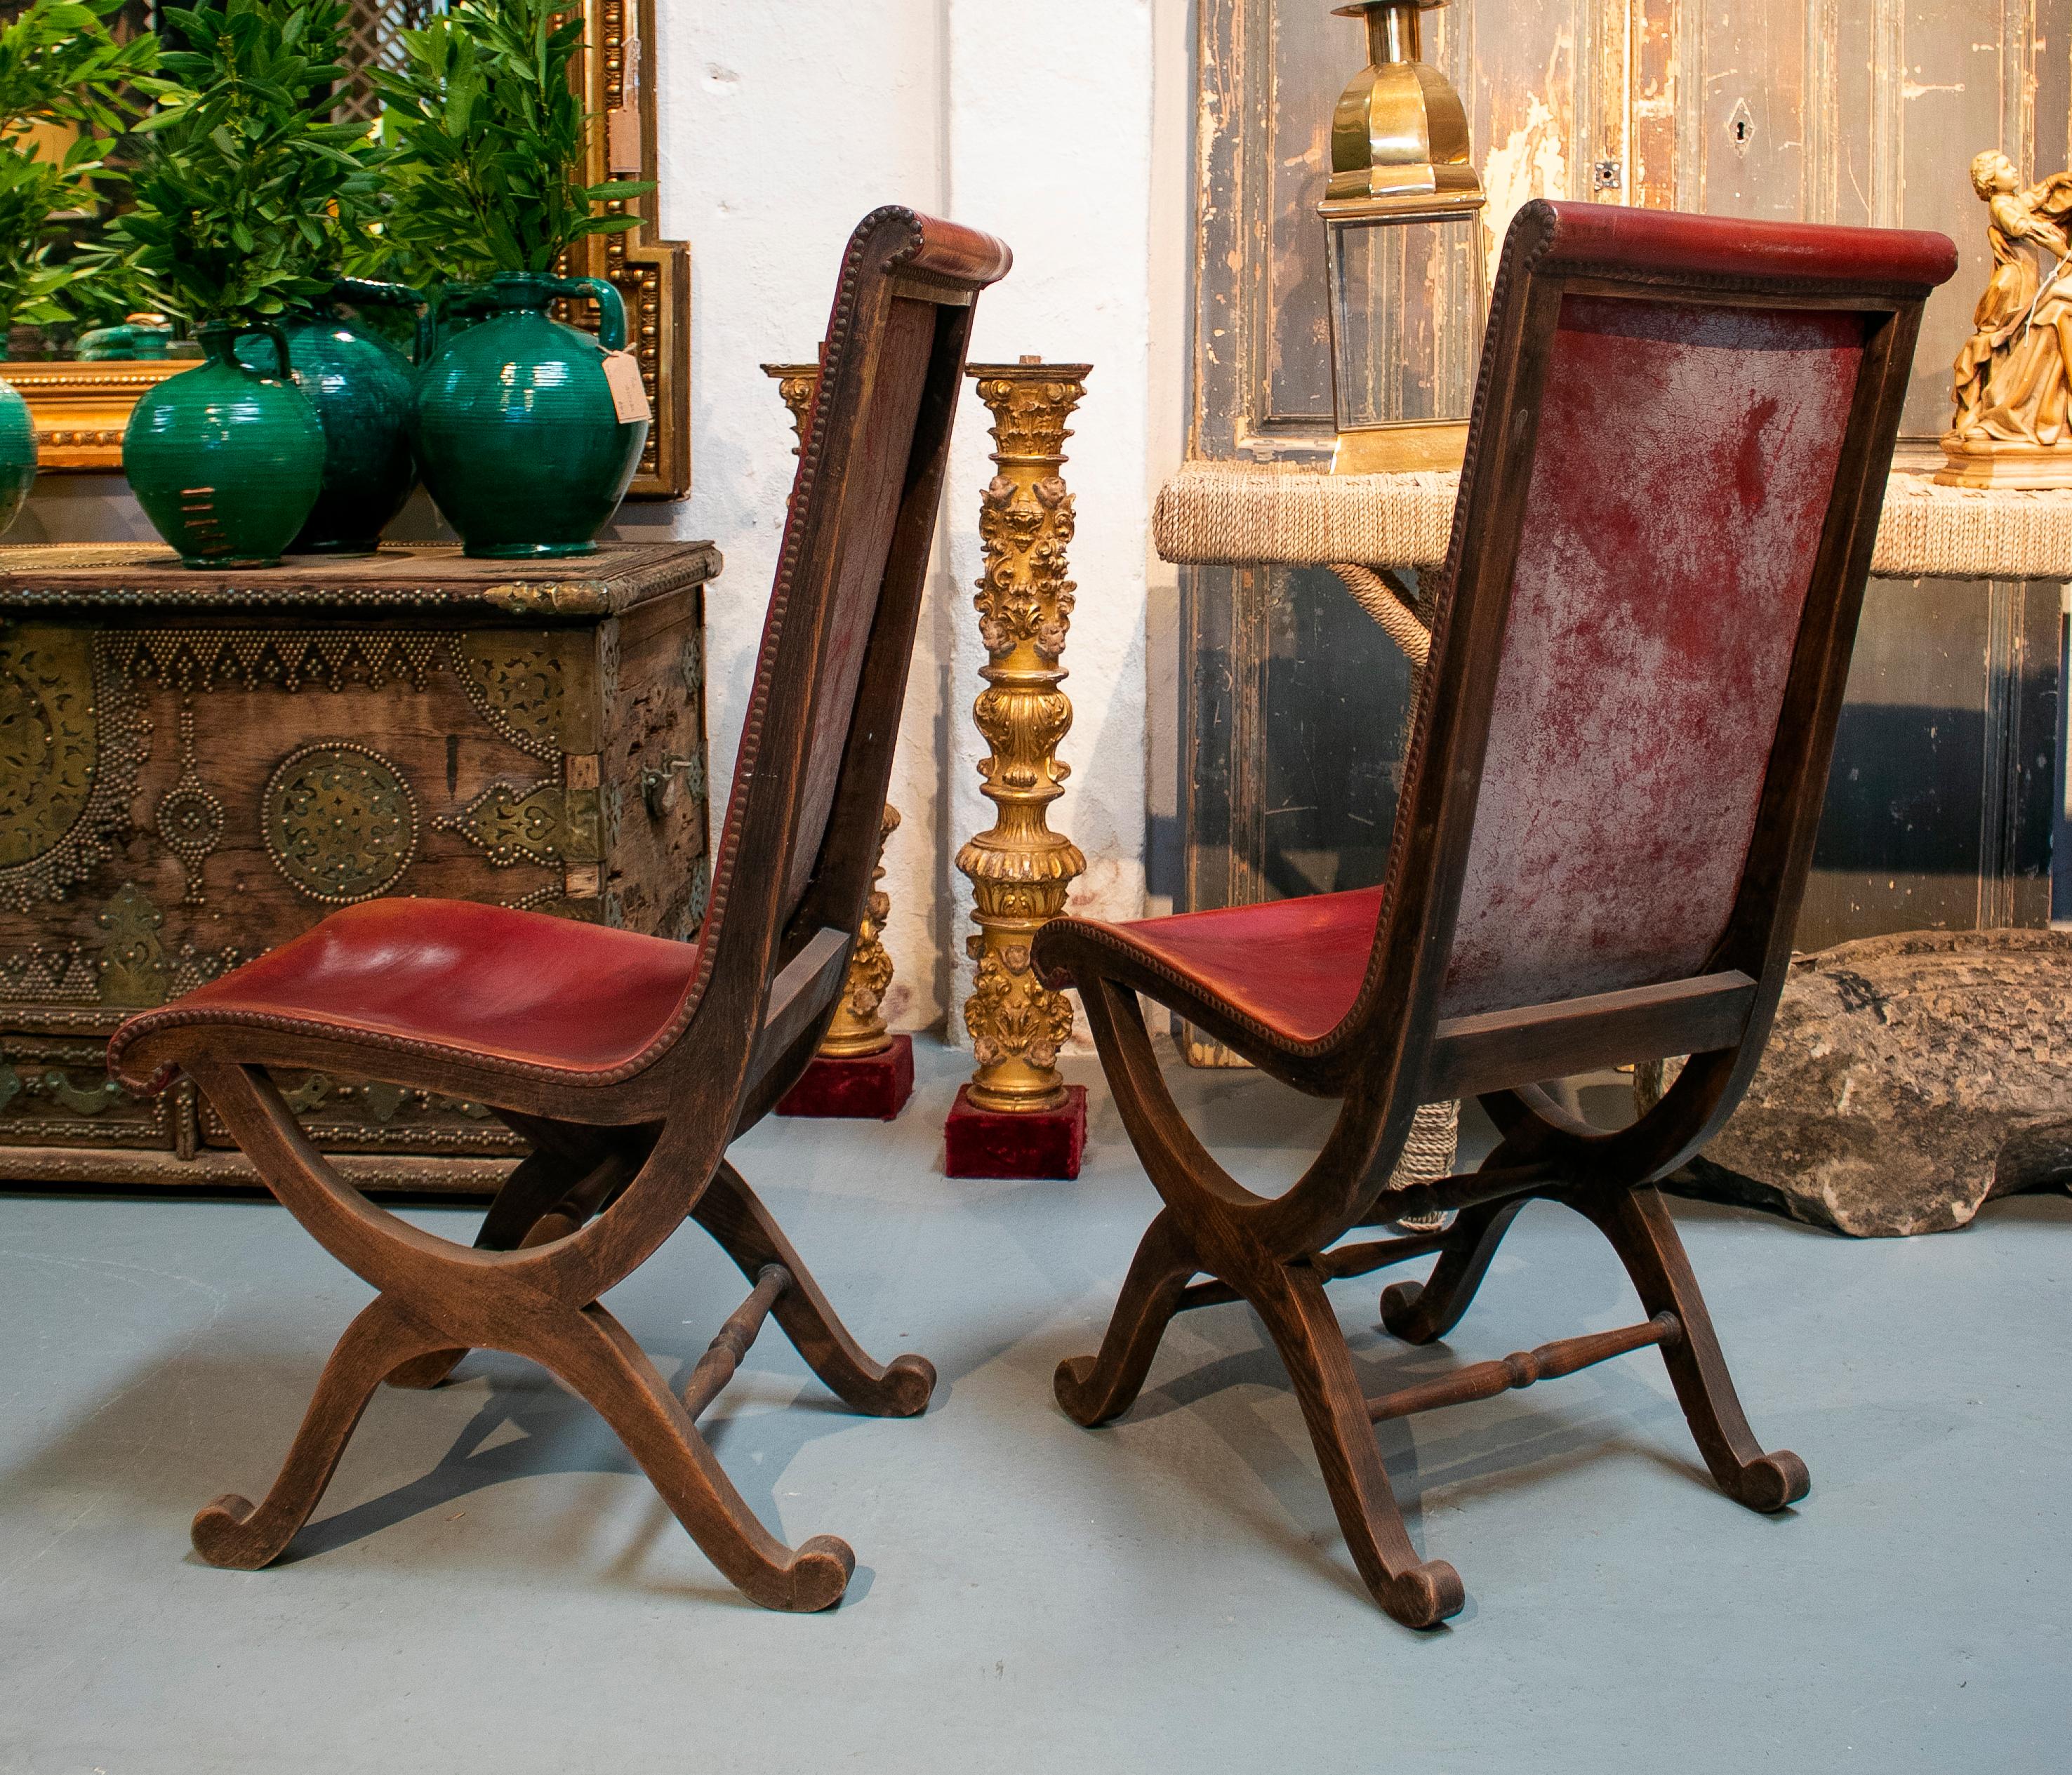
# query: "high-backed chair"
630,1063
1674,476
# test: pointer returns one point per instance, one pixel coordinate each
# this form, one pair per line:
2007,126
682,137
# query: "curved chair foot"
1096,1390
232,1530
1424,1596
747,1232
1399,1301
909,1383
225,1533
595,1355
1775,1482
1417,1592
1638,1224
1424,1312
819,1574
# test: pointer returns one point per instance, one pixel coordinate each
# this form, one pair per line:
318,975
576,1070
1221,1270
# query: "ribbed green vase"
18,453
517,436
226,462
362,388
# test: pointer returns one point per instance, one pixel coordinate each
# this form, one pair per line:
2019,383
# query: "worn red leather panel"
949,249
870,482
1586,236
1293,965
1685,462
485,980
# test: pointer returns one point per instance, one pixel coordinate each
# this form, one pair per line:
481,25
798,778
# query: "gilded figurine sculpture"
2013,421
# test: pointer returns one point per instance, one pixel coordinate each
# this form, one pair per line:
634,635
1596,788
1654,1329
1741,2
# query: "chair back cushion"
1680,484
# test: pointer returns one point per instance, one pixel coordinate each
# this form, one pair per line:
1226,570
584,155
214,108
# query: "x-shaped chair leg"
1203,1230
1289,1299
411,1330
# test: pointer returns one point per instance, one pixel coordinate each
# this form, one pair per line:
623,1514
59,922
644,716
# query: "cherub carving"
2013,384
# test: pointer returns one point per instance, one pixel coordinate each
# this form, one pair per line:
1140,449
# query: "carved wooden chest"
195,767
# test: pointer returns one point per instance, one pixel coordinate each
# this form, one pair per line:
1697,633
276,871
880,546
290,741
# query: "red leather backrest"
815,744
1686,455
866,500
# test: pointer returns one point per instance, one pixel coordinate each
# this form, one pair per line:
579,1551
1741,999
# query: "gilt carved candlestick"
860,1069
858,1030
1018,1117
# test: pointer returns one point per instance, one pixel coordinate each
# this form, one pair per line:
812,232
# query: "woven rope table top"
1244,514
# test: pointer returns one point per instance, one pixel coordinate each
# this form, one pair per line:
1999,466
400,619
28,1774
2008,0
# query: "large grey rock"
1909,1079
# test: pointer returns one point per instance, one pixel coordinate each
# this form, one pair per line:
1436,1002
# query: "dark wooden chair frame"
1394,1051
621,1158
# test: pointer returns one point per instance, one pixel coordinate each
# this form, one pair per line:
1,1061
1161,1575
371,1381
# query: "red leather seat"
1293,966
483,981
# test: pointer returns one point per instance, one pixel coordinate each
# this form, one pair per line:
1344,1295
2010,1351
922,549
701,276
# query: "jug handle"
387,295
265,329
610,307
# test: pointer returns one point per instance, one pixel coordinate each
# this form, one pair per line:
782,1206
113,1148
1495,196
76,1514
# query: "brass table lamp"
1403,234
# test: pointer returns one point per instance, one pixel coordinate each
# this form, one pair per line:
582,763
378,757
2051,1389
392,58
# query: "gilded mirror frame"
80,408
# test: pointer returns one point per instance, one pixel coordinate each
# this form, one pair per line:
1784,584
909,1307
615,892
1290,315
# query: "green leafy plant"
489,135
58,64
248,197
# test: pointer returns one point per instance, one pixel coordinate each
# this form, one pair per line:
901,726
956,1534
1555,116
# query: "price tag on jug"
629,393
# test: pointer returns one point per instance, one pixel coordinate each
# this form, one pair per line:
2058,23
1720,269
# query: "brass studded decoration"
41,976
73,740
133,960
58,1088
189,660
1020,869
190,816
518,683
339,822
540,823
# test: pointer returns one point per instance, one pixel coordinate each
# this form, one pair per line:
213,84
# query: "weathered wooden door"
1942,806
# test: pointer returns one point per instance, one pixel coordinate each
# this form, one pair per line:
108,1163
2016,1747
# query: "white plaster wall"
781,128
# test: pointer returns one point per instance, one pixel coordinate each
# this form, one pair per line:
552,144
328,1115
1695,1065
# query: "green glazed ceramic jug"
361,387
18,453
141,337
226,462
517,435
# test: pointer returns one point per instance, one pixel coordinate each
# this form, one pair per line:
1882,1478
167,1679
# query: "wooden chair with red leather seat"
630,1063
1673,480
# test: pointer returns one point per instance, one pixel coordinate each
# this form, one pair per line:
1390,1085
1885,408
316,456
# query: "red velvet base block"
871,1085
986,1142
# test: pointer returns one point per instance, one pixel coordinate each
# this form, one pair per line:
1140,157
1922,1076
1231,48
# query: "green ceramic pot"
18,453
517,436
226,462
144,341
361,387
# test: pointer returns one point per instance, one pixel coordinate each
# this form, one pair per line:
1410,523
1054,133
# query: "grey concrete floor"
491,1585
